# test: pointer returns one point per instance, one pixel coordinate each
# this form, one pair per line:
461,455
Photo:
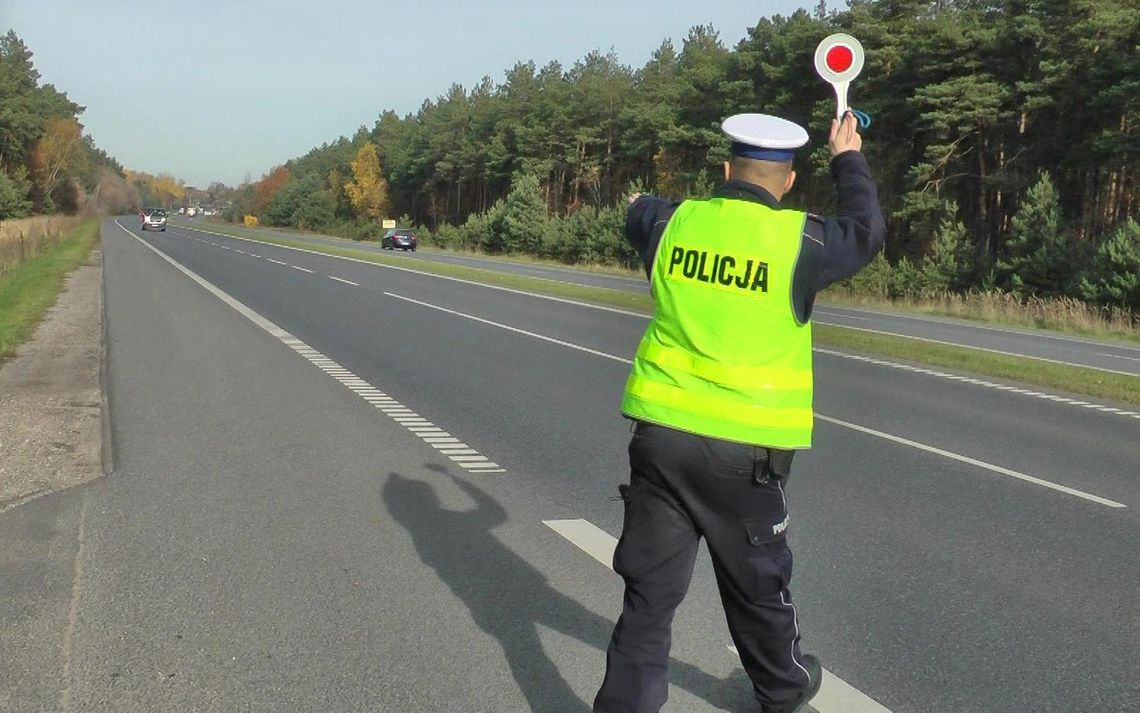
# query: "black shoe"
815,673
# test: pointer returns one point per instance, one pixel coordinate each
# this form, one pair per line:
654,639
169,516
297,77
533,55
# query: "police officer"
721,397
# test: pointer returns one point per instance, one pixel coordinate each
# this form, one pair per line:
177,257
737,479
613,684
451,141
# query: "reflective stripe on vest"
724,355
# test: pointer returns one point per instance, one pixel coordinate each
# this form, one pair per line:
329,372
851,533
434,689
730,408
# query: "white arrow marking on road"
835,695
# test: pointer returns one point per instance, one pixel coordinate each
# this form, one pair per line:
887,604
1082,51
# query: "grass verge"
1063,315
1074,379
29,290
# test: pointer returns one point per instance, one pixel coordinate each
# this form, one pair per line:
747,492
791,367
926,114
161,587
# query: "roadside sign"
387,224
838,60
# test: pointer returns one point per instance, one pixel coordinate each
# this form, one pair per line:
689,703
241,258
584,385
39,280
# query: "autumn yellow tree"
367,190
164,189
56,152
167,189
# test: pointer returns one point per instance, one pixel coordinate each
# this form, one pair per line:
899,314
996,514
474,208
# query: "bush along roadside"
29,290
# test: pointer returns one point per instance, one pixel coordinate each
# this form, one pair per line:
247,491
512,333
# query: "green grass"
1074,379
28,291
1057,315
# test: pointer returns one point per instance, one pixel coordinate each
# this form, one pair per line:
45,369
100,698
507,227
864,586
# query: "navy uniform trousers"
682,487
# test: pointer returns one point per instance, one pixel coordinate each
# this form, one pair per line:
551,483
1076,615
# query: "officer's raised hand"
845,135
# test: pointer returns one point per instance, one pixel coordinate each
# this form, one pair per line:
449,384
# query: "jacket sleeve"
645,221
857,232
837,248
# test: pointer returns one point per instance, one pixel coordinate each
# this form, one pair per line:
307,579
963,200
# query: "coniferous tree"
1115,274
1038,258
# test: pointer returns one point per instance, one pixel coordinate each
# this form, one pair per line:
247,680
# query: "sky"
223,90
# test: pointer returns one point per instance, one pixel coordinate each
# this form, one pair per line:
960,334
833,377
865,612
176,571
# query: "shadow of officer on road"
508,598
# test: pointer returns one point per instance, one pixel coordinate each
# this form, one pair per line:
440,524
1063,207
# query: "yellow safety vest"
725,355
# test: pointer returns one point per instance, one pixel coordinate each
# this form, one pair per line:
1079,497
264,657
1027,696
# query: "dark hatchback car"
399,238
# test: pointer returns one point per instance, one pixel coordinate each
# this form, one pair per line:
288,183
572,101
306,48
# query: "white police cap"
764,137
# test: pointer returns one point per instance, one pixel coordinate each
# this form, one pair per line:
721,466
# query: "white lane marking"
276,262
962,379
897,439
971,325
460,280
256,256
587,537
844,355
973,461
347,282
641,315
239,250
1117,356
839,316
881,362
302,269
835,695
420,427
509,328
983,349
483,467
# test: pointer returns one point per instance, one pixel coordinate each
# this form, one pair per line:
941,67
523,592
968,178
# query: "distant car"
153,219
399,238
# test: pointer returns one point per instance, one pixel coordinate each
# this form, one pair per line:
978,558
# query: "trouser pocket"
769,559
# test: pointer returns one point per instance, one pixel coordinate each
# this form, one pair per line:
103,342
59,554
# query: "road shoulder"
51,399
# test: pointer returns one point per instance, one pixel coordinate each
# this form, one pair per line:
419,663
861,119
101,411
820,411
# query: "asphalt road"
1040,344
340,501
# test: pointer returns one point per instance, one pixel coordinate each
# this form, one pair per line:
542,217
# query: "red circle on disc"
839,58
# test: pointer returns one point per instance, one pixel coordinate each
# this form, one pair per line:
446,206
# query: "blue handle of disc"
863,117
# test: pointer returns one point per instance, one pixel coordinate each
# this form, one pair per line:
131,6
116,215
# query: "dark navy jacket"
833,248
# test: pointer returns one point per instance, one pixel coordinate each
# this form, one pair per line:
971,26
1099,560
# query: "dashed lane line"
868,431
511,290
276,262
509,328
302,269
643,316
835,695
843,355
425,430
347,282
862,429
